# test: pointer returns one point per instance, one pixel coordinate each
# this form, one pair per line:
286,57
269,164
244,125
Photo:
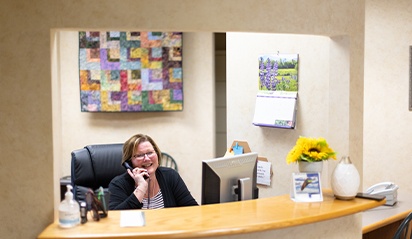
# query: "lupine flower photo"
278,72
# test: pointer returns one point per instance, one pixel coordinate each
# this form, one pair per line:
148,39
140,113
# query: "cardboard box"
246,149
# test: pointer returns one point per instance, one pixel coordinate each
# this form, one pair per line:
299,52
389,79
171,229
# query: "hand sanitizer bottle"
69,210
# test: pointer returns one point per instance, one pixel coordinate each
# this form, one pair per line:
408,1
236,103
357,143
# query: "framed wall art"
130,71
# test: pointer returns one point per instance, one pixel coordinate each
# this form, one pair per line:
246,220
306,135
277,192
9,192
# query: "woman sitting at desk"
145,185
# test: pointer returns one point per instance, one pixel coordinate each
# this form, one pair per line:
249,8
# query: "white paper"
276,109
263,172
132,218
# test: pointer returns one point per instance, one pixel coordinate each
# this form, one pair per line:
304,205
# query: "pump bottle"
69,210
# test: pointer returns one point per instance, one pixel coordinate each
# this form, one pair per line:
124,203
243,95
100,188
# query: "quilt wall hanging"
130,71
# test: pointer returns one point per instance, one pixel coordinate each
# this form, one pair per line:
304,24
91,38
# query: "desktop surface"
217,219
384,215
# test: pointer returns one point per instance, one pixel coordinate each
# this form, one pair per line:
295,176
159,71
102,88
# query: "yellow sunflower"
310,150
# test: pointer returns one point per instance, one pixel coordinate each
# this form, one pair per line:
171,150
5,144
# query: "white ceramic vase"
345,179
305,167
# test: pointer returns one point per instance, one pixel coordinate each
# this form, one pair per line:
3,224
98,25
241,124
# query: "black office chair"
94,166
168,161
403,231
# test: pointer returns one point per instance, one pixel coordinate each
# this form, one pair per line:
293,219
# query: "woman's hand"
138,175
141,184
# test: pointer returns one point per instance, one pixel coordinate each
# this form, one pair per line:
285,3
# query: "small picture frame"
306,187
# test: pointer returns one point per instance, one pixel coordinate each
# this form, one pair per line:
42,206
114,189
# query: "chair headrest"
96,165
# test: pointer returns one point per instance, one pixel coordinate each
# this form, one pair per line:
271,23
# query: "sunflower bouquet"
310,150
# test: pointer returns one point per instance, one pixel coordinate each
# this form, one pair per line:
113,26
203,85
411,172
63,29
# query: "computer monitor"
229,179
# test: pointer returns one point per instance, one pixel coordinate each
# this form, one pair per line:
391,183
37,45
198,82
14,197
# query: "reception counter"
260,218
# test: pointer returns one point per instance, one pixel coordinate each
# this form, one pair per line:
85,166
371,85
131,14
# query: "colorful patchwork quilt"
130,71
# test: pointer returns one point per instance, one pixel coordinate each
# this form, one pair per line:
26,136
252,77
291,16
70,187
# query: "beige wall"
317,89
388,131
28,49
171,130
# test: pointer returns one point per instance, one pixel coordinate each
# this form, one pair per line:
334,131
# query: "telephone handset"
384,187
388,189
127,166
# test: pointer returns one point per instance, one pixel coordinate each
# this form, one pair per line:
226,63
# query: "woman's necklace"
151,191
148,192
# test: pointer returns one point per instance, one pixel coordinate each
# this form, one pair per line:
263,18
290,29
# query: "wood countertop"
218,219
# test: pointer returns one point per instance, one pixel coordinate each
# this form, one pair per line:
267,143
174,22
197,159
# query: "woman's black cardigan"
174,191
